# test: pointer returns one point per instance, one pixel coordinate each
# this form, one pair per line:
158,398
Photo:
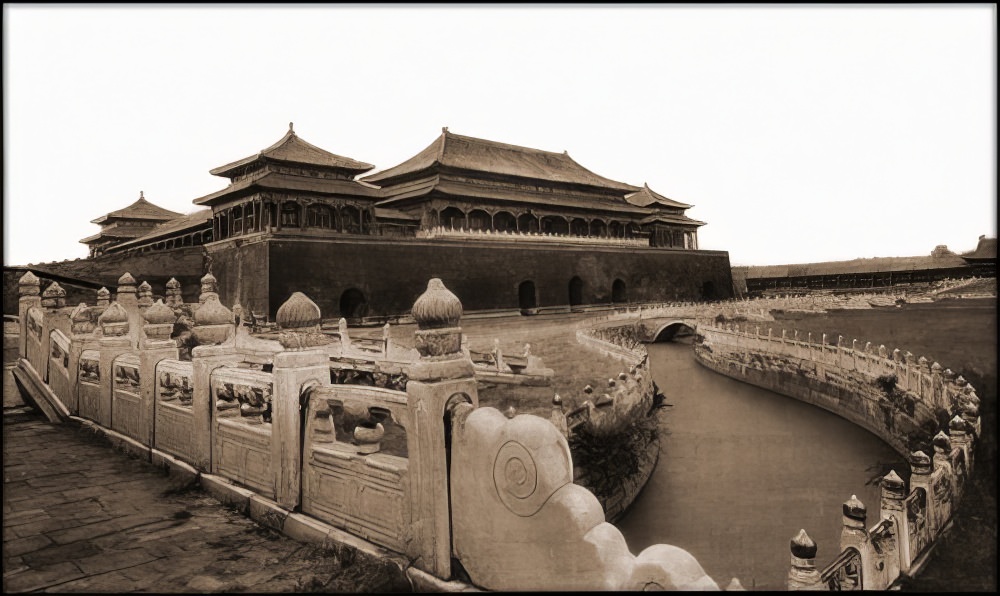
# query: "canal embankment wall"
926,412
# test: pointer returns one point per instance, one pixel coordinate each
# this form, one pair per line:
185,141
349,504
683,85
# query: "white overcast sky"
798,133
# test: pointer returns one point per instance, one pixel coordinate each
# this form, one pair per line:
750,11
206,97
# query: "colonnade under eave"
274,215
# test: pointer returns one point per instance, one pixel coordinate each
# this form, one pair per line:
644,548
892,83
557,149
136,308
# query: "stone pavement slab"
82,517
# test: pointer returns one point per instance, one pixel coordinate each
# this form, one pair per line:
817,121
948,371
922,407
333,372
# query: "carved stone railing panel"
126,402
844,574
346,483
241,399
89,389
915,507
174,413
35,323
58,367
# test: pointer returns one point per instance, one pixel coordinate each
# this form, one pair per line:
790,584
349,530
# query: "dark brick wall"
392,275
241,269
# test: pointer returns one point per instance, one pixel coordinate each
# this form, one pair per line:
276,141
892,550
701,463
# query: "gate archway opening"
527,298
353,305
575,292
708,291
618,294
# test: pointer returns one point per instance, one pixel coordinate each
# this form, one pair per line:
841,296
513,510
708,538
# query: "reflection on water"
742,470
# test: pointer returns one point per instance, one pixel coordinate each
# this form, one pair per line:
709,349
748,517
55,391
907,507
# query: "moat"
742,469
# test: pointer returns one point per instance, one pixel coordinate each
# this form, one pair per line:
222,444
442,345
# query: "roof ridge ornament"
291,128
140,195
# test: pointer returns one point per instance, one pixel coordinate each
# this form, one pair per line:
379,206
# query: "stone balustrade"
422,472
514,236
891,393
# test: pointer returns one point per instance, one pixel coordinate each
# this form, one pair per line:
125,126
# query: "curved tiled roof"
141,209
671,218
115,233
985,250
481,155
290,148
183,223
355,188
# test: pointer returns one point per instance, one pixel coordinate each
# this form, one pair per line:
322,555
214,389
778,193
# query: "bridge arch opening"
674,331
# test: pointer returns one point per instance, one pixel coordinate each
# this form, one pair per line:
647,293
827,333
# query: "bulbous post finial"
103,297
299,320
855,512
942,443
114,320
802,546
437,313
159,321
80,320
172,296
209,287
803,574
145,294
28,285
920,463
126,289
54,296
437,307
298,312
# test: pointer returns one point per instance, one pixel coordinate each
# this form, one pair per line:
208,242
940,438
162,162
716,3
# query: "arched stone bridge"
666,328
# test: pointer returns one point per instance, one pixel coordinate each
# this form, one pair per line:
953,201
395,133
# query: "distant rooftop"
470,153
141,209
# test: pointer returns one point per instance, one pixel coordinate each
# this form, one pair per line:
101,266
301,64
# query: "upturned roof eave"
273,181
228,170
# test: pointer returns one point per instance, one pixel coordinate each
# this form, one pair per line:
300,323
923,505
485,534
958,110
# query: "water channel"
742,470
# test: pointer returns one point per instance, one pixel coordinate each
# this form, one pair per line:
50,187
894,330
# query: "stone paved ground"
79,516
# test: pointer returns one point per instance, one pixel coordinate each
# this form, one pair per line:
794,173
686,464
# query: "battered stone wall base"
183,474
118,441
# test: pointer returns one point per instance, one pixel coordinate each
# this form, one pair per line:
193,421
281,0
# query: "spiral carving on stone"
515,475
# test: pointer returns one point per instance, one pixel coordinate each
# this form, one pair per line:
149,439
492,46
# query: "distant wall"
185,264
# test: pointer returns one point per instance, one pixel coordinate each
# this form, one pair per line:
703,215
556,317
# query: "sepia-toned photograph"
492,297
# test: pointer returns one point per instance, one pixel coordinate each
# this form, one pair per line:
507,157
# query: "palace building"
505,227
